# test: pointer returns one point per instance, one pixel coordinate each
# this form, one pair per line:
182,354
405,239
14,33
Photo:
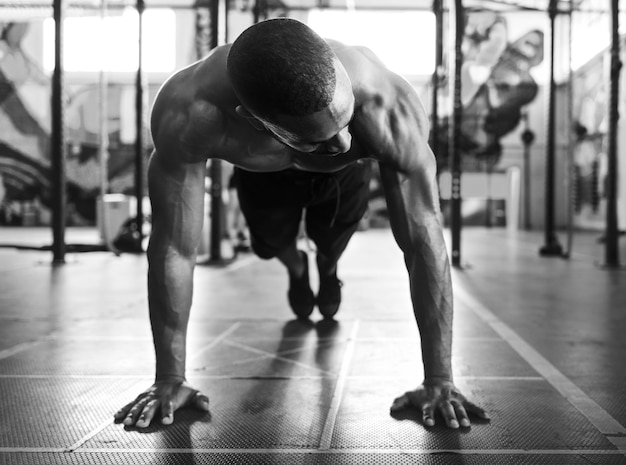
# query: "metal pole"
455,135
103,136
552,247
434,131
571,169
59,196
215,240
260,11
611,252
139,140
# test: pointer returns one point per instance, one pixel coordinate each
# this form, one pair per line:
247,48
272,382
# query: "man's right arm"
177,197
176,184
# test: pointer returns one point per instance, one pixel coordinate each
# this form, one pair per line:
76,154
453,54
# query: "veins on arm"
398,132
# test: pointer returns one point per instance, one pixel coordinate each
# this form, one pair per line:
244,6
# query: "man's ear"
244,113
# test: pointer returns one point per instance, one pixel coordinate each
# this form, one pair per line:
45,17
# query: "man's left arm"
416,227
408,174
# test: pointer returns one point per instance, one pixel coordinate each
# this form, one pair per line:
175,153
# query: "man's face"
325,132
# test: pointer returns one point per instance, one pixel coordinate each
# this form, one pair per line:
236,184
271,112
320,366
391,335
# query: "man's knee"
264,252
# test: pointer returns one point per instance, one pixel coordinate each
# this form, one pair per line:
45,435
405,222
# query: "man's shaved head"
282,66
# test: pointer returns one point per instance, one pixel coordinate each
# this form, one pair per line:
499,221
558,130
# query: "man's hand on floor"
442,397
163,398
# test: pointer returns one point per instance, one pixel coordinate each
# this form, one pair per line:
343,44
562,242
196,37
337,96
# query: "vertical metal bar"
455,135
551,247
217,206
434,125
59,196
226,31
256,12
571,184
260,11
103,110
611,252
139,123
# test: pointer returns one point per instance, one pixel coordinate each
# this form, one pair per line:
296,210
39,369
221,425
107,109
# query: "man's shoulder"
372,81
356,56
202,87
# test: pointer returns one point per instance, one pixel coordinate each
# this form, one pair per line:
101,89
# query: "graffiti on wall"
25,176
24,135
496,85
590,116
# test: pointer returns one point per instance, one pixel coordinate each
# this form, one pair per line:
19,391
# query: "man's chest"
258,151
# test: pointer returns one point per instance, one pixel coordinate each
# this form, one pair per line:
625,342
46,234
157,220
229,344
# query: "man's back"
194,115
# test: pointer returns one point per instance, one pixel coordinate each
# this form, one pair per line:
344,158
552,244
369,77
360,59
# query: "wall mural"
25,178
24,132
591,97
496,86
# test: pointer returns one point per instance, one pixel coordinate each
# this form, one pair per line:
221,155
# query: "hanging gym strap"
455,136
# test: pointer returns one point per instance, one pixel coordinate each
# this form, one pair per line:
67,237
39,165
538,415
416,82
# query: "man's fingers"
167,412
401,403
133,413
147,414
428,415
449,415
200,401
475,410
121,413
461,414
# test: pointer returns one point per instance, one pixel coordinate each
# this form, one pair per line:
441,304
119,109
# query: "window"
111,44
403,40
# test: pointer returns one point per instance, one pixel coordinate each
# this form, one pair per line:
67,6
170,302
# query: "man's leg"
273,218
330,225
300,295
293,260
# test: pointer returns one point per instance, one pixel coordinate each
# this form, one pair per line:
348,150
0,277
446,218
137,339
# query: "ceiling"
16,10
510,5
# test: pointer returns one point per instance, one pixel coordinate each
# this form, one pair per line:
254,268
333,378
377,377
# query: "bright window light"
403,40
91,44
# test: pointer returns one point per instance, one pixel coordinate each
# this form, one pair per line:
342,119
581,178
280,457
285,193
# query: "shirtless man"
298,115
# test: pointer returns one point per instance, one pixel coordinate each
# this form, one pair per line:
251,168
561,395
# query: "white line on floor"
404,452
335,403
276,356
200,375
16,349
599,417
89,435
31,450
214,342
108,422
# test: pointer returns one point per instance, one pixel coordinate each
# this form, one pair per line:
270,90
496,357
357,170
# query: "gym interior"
524,99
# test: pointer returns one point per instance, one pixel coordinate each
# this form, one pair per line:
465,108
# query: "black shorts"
273,203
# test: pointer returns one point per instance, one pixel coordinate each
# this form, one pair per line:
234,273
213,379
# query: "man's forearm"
170,288
431,294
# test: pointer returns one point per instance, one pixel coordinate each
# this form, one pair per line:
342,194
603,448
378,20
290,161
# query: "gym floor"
539,342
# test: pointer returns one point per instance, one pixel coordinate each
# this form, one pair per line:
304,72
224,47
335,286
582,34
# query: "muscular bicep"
412,201
177,198
399,135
